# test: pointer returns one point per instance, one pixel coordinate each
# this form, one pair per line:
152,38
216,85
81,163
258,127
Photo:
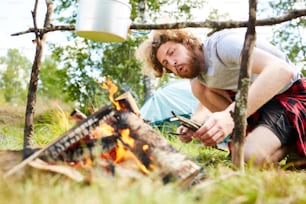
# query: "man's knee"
262,146
255,157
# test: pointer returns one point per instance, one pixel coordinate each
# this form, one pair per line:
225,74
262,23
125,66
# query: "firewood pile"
114,141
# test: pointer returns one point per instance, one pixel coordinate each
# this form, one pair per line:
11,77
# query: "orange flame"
145,147
126,138
120,153
123,155
112,89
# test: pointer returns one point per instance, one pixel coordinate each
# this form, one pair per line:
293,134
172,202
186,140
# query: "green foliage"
11,126
50,124
66,10
86,69
14,73
52,80
123,68
82,71
289,35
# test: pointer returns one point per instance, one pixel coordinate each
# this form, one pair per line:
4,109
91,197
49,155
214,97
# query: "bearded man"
276,107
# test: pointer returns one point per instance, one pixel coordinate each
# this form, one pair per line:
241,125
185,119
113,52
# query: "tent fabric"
175,96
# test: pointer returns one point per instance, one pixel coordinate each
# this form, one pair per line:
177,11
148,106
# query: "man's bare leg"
263,147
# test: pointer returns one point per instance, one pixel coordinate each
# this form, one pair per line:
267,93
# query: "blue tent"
175,96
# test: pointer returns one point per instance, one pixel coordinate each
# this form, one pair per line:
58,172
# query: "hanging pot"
103,20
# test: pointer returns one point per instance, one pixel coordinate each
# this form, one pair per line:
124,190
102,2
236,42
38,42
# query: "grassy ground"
223,185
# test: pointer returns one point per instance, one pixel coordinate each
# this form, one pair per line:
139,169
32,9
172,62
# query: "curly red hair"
146,52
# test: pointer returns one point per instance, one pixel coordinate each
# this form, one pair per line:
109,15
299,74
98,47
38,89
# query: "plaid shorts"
285,115
273,116
293,102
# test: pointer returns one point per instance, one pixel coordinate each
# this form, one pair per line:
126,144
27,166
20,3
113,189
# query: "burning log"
112,136
91,139
127,102
170,161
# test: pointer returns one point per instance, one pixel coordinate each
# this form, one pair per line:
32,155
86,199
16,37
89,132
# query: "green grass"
223,185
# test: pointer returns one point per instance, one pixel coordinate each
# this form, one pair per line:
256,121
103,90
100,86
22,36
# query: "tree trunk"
240,115
31,99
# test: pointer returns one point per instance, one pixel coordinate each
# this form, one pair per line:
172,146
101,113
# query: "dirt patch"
8,159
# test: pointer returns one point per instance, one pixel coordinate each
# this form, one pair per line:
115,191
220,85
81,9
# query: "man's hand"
185,134
215,129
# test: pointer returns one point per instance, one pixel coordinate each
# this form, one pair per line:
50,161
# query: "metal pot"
103,20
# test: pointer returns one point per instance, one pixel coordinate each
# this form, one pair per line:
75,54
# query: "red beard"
194,68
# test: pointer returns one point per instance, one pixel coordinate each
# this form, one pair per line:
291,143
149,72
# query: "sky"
15,16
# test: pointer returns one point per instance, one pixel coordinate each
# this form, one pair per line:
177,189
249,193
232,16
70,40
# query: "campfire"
111,139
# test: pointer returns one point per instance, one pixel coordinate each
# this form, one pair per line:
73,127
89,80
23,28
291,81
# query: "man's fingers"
208,125
185,138
212,136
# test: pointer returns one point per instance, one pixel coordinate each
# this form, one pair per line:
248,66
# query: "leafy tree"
82,74
127,70
15,71
52,80
290,36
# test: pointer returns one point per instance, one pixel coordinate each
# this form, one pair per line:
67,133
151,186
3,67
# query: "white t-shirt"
222,59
